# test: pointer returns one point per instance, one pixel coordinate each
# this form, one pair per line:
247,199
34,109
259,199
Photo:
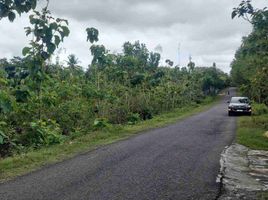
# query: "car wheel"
230,113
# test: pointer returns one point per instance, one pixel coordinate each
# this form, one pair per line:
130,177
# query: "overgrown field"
61,101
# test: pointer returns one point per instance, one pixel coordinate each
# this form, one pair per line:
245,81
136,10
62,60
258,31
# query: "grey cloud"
203,27
139,13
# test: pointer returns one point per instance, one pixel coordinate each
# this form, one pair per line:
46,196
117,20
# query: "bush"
145,113
100,123
260,109
133,118
6,144
118,114
73,115
42,133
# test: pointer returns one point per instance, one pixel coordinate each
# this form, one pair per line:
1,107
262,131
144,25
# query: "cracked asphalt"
180,161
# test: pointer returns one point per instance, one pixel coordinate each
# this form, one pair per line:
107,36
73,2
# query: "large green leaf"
2,137
66,31
25,50
5,103
57,40
51,48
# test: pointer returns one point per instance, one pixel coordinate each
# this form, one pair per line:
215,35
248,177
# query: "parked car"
239,105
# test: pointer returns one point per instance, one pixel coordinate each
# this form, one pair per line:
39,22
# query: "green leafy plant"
5,102
133,118
11,7
249,68
259,109
3,137
100,123
43,133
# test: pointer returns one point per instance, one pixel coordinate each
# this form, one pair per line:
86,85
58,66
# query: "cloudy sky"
203,28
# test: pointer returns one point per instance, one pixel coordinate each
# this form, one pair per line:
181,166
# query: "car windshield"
239,100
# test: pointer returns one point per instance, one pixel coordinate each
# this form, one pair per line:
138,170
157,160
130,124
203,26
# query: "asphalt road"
177,162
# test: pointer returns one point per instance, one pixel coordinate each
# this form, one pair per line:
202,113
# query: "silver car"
239,105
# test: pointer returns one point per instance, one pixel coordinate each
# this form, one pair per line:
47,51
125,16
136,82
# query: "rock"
244,173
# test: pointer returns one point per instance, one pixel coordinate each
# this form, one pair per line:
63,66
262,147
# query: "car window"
239,100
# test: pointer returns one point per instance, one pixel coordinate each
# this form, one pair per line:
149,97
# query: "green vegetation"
251,130
250,66
34,159
250,73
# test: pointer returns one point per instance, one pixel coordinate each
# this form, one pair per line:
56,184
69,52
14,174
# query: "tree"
252,56
99,55
9,8
138,51
191,66
154,59
48,33
72,61
169,62
92,35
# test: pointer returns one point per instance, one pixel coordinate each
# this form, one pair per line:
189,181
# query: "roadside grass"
24,163
251,130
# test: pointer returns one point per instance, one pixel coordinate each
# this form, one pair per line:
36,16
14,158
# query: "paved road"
177,162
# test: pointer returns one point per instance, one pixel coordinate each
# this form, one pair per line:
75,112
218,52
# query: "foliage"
48,32
41,133
5,103
100,123
249,68
92,35
133,118
260,109
9,8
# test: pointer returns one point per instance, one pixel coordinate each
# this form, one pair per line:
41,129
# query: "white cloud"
203,28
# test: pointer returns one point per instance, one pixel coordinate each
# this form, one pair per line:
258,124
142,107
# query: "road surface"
177,162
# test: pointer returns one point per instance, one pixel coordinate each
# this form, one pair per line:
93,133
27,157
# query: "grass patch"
251,130
27,162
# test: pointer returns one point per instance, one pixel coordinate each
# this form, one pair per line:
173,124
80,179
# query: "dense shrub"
100,123
42,133
125,89
259,109
133,118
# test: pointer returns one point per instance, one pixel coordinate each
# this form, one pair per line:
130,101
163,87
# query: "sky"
202,29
